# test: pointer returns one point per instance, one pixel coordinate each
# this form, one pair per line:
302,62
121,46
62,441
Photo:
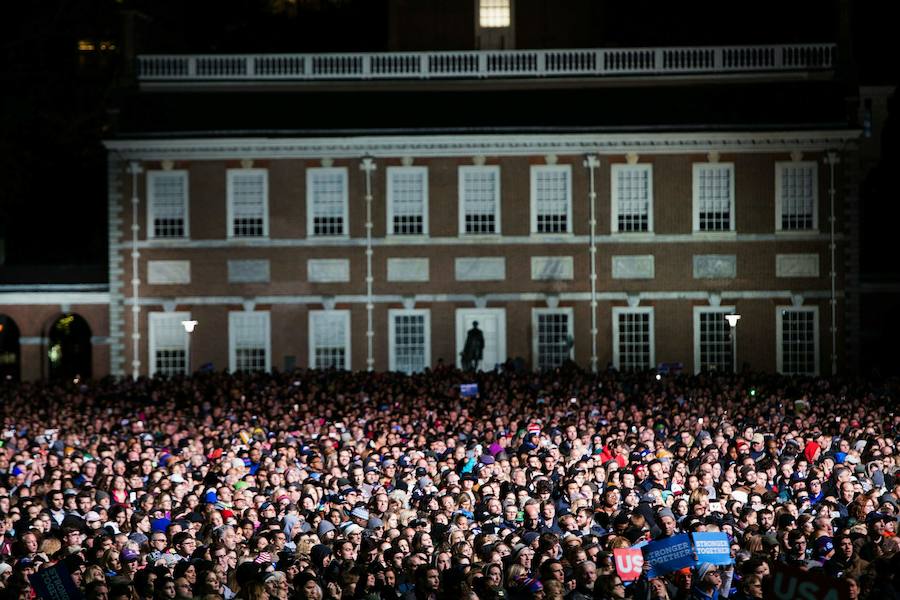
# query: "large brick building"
363,210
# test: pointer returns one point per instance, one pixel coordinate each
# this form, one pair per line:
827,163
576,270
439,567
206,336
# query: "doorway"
10,350
69,348
492,323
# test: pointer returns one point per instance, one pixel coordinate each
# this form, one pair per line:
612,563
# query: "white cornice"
488,145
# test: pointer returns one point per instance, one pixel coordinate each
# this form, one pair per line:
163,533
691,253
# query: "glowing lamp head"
732,319
189,326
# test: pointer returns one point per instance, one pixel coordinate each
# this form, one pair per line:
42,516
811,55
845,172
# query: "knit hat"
318,554
324,527
703,569
665,512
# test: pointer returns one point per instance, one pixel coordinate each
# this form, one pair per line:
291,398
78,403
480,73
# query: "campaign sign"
791,583
629,562
55,583
713,548
468,390
670,554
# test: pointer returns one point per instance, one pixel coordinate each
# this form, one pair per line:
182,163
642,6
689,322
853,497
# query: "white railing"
486,64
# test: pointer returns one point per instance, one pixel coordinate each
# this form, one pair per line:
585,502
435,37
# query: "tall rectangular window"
494,13
248,341
248,203
329,339
407,191
551,199
633,341
798,340
168,343
713,197
551,334
326,202
632,198
167,204
713,340
479,200
796,196
409,340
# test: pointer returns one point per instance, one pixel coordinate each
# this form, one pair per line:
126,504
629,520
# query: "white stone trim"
54,298
723,310
389,200
168,272
249,271
408,269
715,266
328,270
797,265
480,268
634,266
779,347
231,174
536,144
392,333
233,322
552,268
695,171
315,321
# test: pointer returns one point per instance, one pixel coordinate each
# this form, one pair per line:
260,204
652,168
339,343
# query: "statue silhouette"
473,349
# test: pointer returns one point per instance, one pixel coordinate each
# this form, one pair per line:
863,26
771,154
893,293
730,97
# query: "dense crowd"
323,484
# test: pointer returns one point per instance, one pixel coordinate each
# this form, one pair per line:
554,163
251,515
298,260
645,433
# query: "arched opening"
69,348
10,351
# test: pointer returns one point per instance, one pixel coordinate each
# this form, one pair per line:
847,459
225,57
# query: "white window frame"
614,195
536,170
696,196
536,313
151,230
484,15
392,333
233,317
311,174
391,172
153,320
231,175
619,310
721,311
780,168
779,330
314,324
495,170
481,314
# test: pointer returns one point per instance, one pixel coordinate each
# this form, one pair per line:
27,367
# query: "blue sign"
55,583
468,390
669,555
713,547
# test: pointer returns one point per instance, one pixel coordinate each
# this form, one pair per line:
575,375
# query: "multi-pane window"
479,200
551,337
633,339
713,197
167,204
494,13
407,190
713,340
796,196
248,192
632,198
798,341
551,199
329,339
409,340
248,337
168,343
326,202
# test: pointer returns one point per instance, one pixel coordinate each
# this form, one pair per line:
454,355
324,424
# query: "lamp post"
733,319
188,329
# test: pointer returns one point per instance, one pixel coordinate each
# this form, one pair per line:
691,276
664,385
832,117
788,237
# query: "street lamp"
188,329
733,319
